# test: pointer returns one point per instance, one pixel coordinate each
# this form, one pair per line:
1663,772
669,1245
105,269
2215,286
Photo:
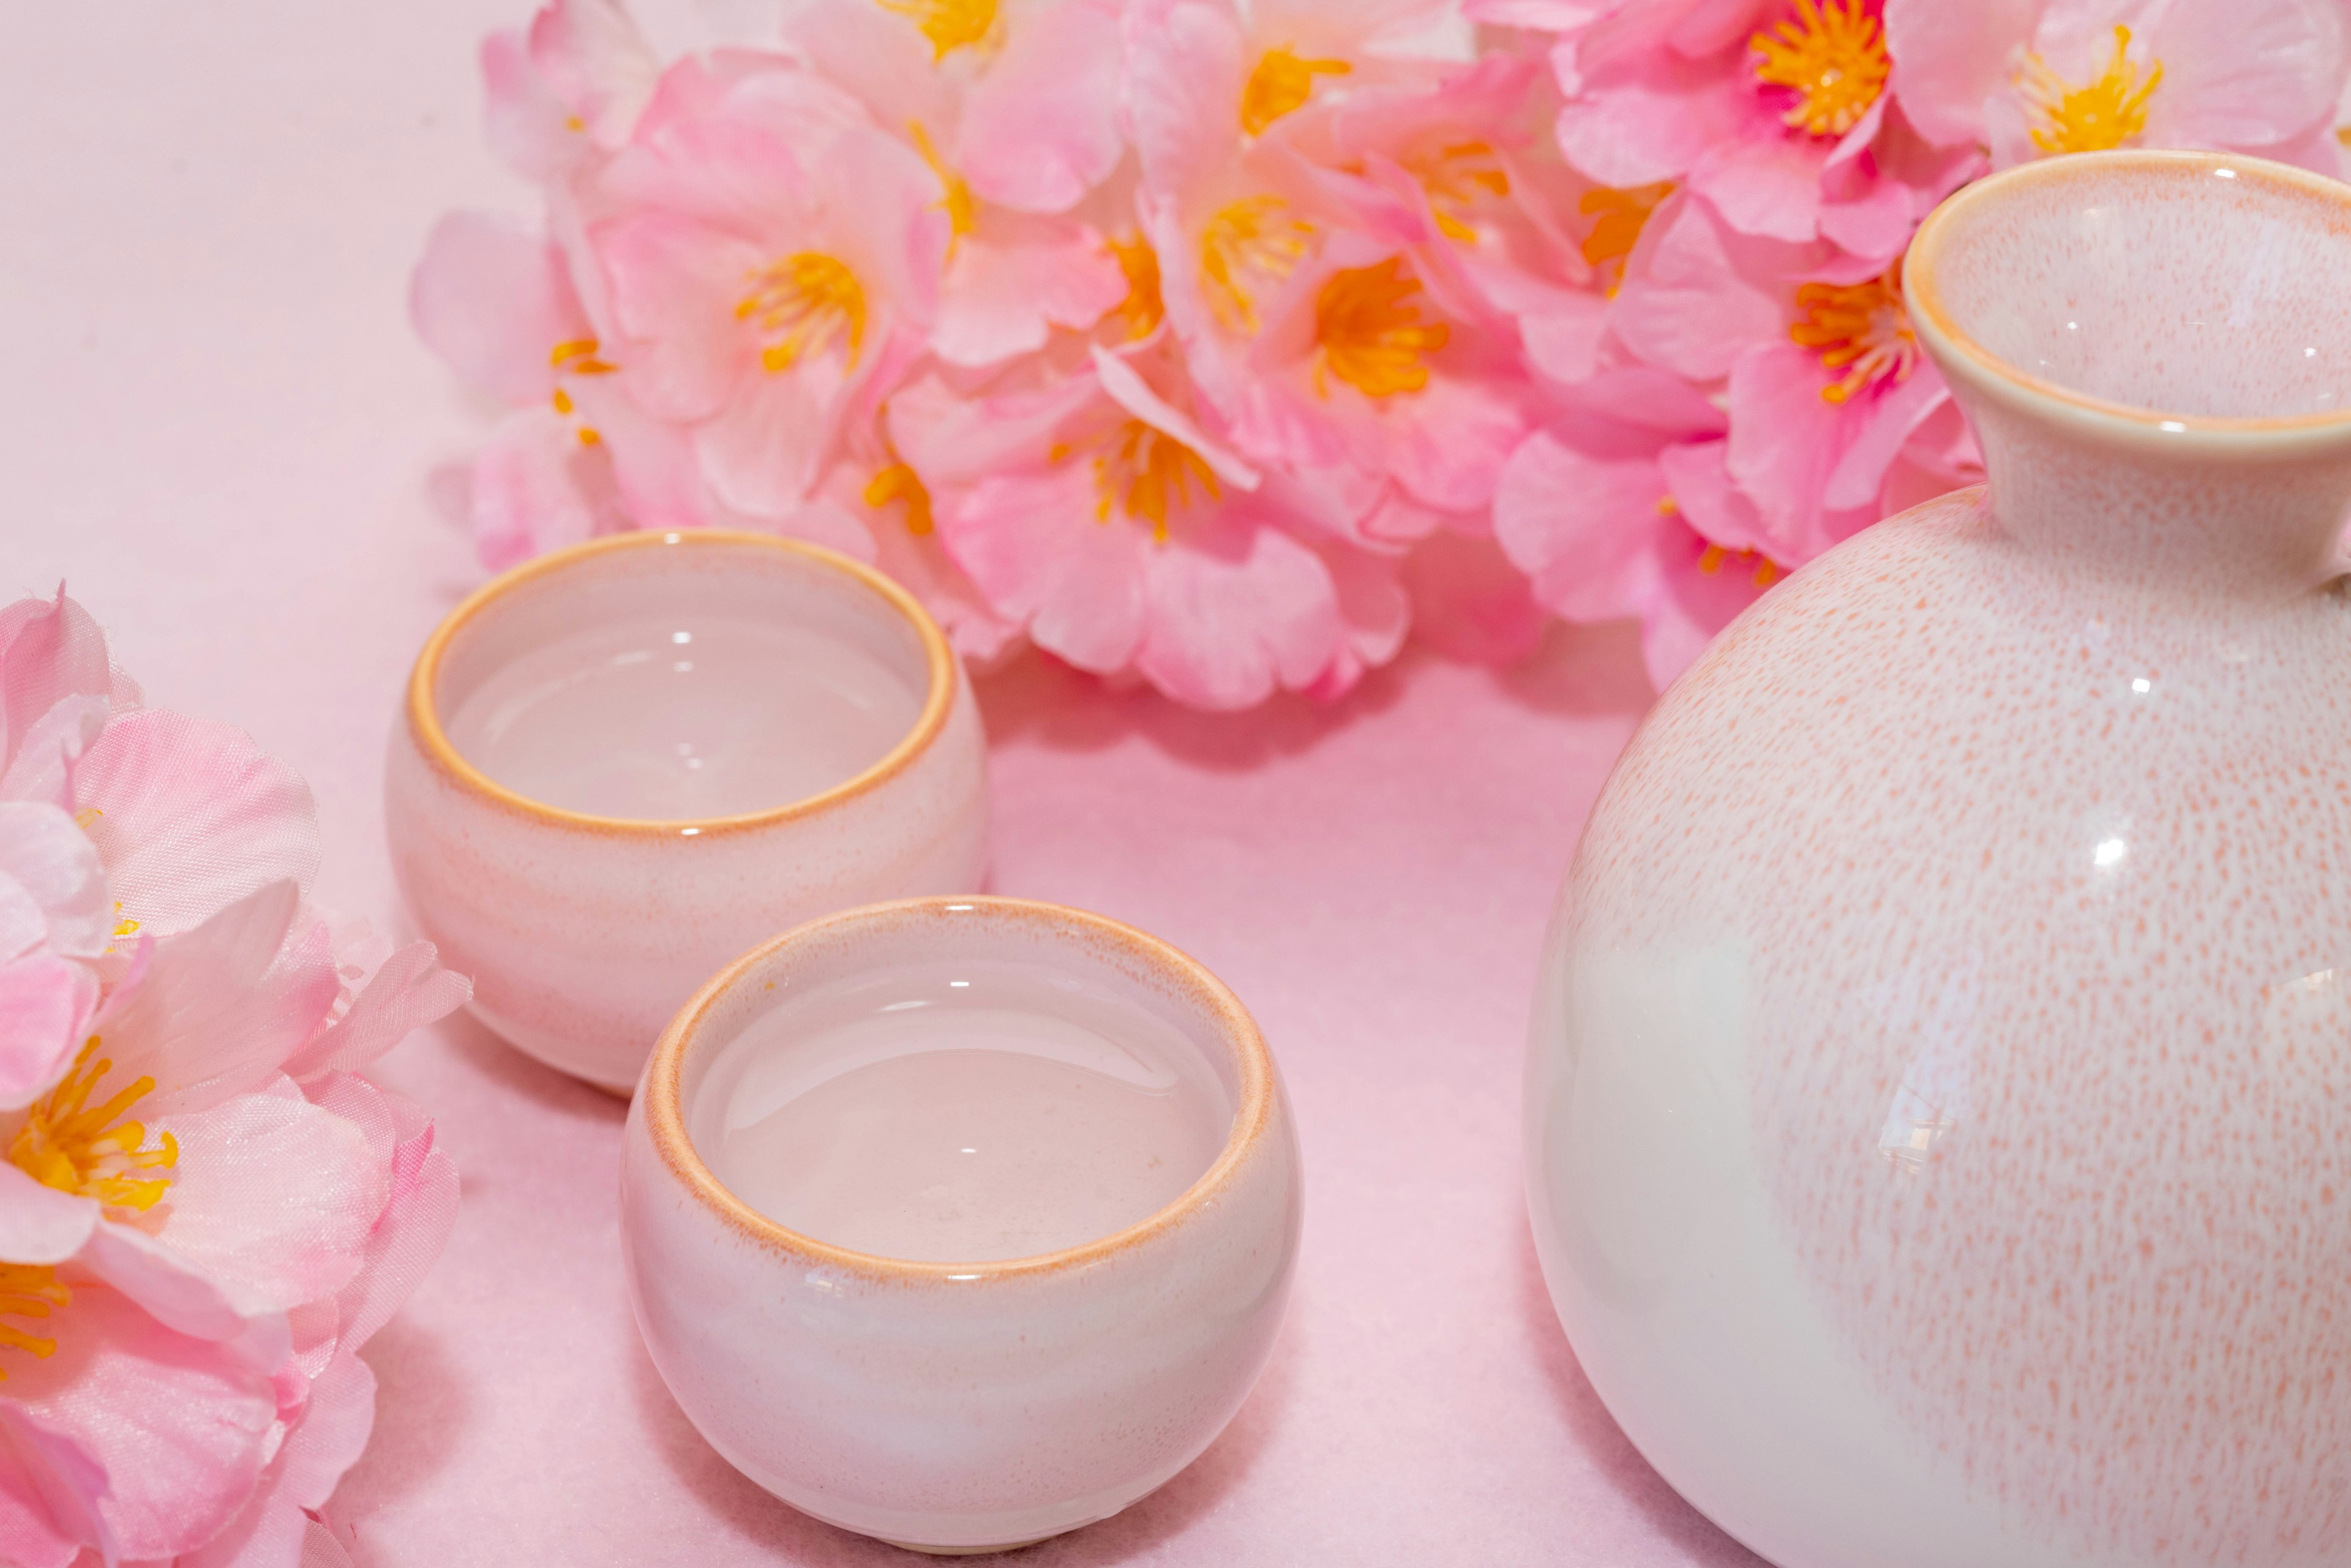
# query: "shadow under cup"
960,1222
624,763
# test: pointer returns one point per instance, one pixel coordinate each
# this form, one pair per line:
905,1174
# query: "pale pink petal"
1539,16
526,124
886,213
879,57
1235,608
1563,341
409,991
336,1422
1040,127
1698,594
39,1224
270,1531
675,285
46,1005
273,1199
1469,602
951,440
1130,391
193,817
1786,441
492,298
1649,398
920,563
220,1006
536,488
2250,74
1446,443
1709,501
1185,71
49,650
654,481
180,1296
53,886
1768,184
1374,613
1582,527
1876,223
1889,418
1654,125
44,767
51,1483
1709,27
409,1235
1031,542
598,63
765,449
1014,279
179,1425
1694,296
1948,59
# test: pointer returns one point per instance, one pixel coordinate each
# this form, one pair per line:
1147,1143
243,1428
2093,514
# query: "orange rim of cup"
661,1102
433,741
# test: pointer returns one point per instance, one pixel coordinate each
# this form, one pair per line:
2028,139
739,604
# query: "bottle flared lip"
1962,357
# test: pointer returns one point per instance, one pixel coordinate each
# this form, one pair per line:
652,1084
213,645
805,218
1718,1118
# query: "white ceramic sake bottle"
1939,1107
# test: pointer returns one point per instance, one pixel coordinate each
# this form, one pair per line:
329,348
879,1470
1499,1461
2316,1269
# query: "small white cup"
585,929
955,1407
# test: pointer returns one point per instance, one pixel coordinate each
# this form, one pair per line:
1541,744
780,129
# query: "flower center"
1621,217
1765,574
1456,179
1249,245
1369,332
1861,328
1142,308
1147,474
93,1151
2106,113
28,1290
1280,83
1831,55
948,24
805,303
899,482
577,358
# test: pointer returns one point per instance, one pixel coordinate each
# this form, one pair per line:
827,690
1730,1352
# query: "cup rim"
1996,374
660,1103
433,741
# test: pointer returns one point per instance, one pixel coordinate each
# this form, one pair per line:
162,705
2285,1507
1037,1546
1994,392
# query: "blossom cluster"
204,1209
1225,344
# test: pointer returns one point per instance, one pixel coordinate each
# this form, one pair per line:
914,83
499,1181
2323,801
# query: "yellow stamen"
86,817
29,1291
1861,328
1456,178
578,358
1766,573
1667,507
948,24
1369,333
1248,246
562,400
1833,55
957,202
125,927
1281,82
806,302
2106,113
900,483
1622,215
93,1153
589,436
1142,308
1148,474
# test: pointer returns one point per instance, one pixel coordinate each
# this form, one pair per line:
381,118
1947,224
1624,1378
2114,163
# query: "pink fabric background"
219,430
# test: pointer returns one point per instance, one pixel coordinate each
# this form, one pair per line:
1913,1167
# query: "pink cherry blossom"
1020,123
773,261
1100,513
566,88
201,1212
2024,79
1777,111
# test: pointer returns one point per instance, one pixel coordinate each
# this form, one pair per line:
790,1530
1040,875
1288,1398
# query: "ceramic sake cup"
585,932
960,1407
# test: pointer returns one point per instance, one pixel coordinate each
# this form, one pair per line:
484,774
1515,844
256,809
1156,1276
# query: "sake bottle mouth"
2187,298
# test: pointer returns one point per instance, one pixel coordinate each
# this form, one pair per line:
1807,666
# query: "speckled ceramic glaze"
584,934
960,1407
1937,1104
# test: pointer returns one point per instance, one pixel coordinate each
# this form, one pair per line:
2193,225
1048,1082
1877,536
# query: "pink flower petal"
46,1005
1015,278
675,285
1031,542
1582,527
53,886
1887,422
1654,124
537,488
526,124
193,817
220,1006
49,650
1040,128
44,767
1184,70
1698,474
178,1426
1768,184
492,298
1695,296
410,990
1235,610
1691,607
1948,59
51,1484
1446,443
2252,74
39,1224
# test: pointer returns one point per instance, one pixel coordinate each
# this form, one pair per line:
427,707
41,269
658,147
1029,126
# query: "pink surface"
220,431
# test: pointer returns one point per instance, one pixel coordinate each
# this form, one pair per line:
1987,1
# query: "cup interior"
967,1081
2198,285
684,677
